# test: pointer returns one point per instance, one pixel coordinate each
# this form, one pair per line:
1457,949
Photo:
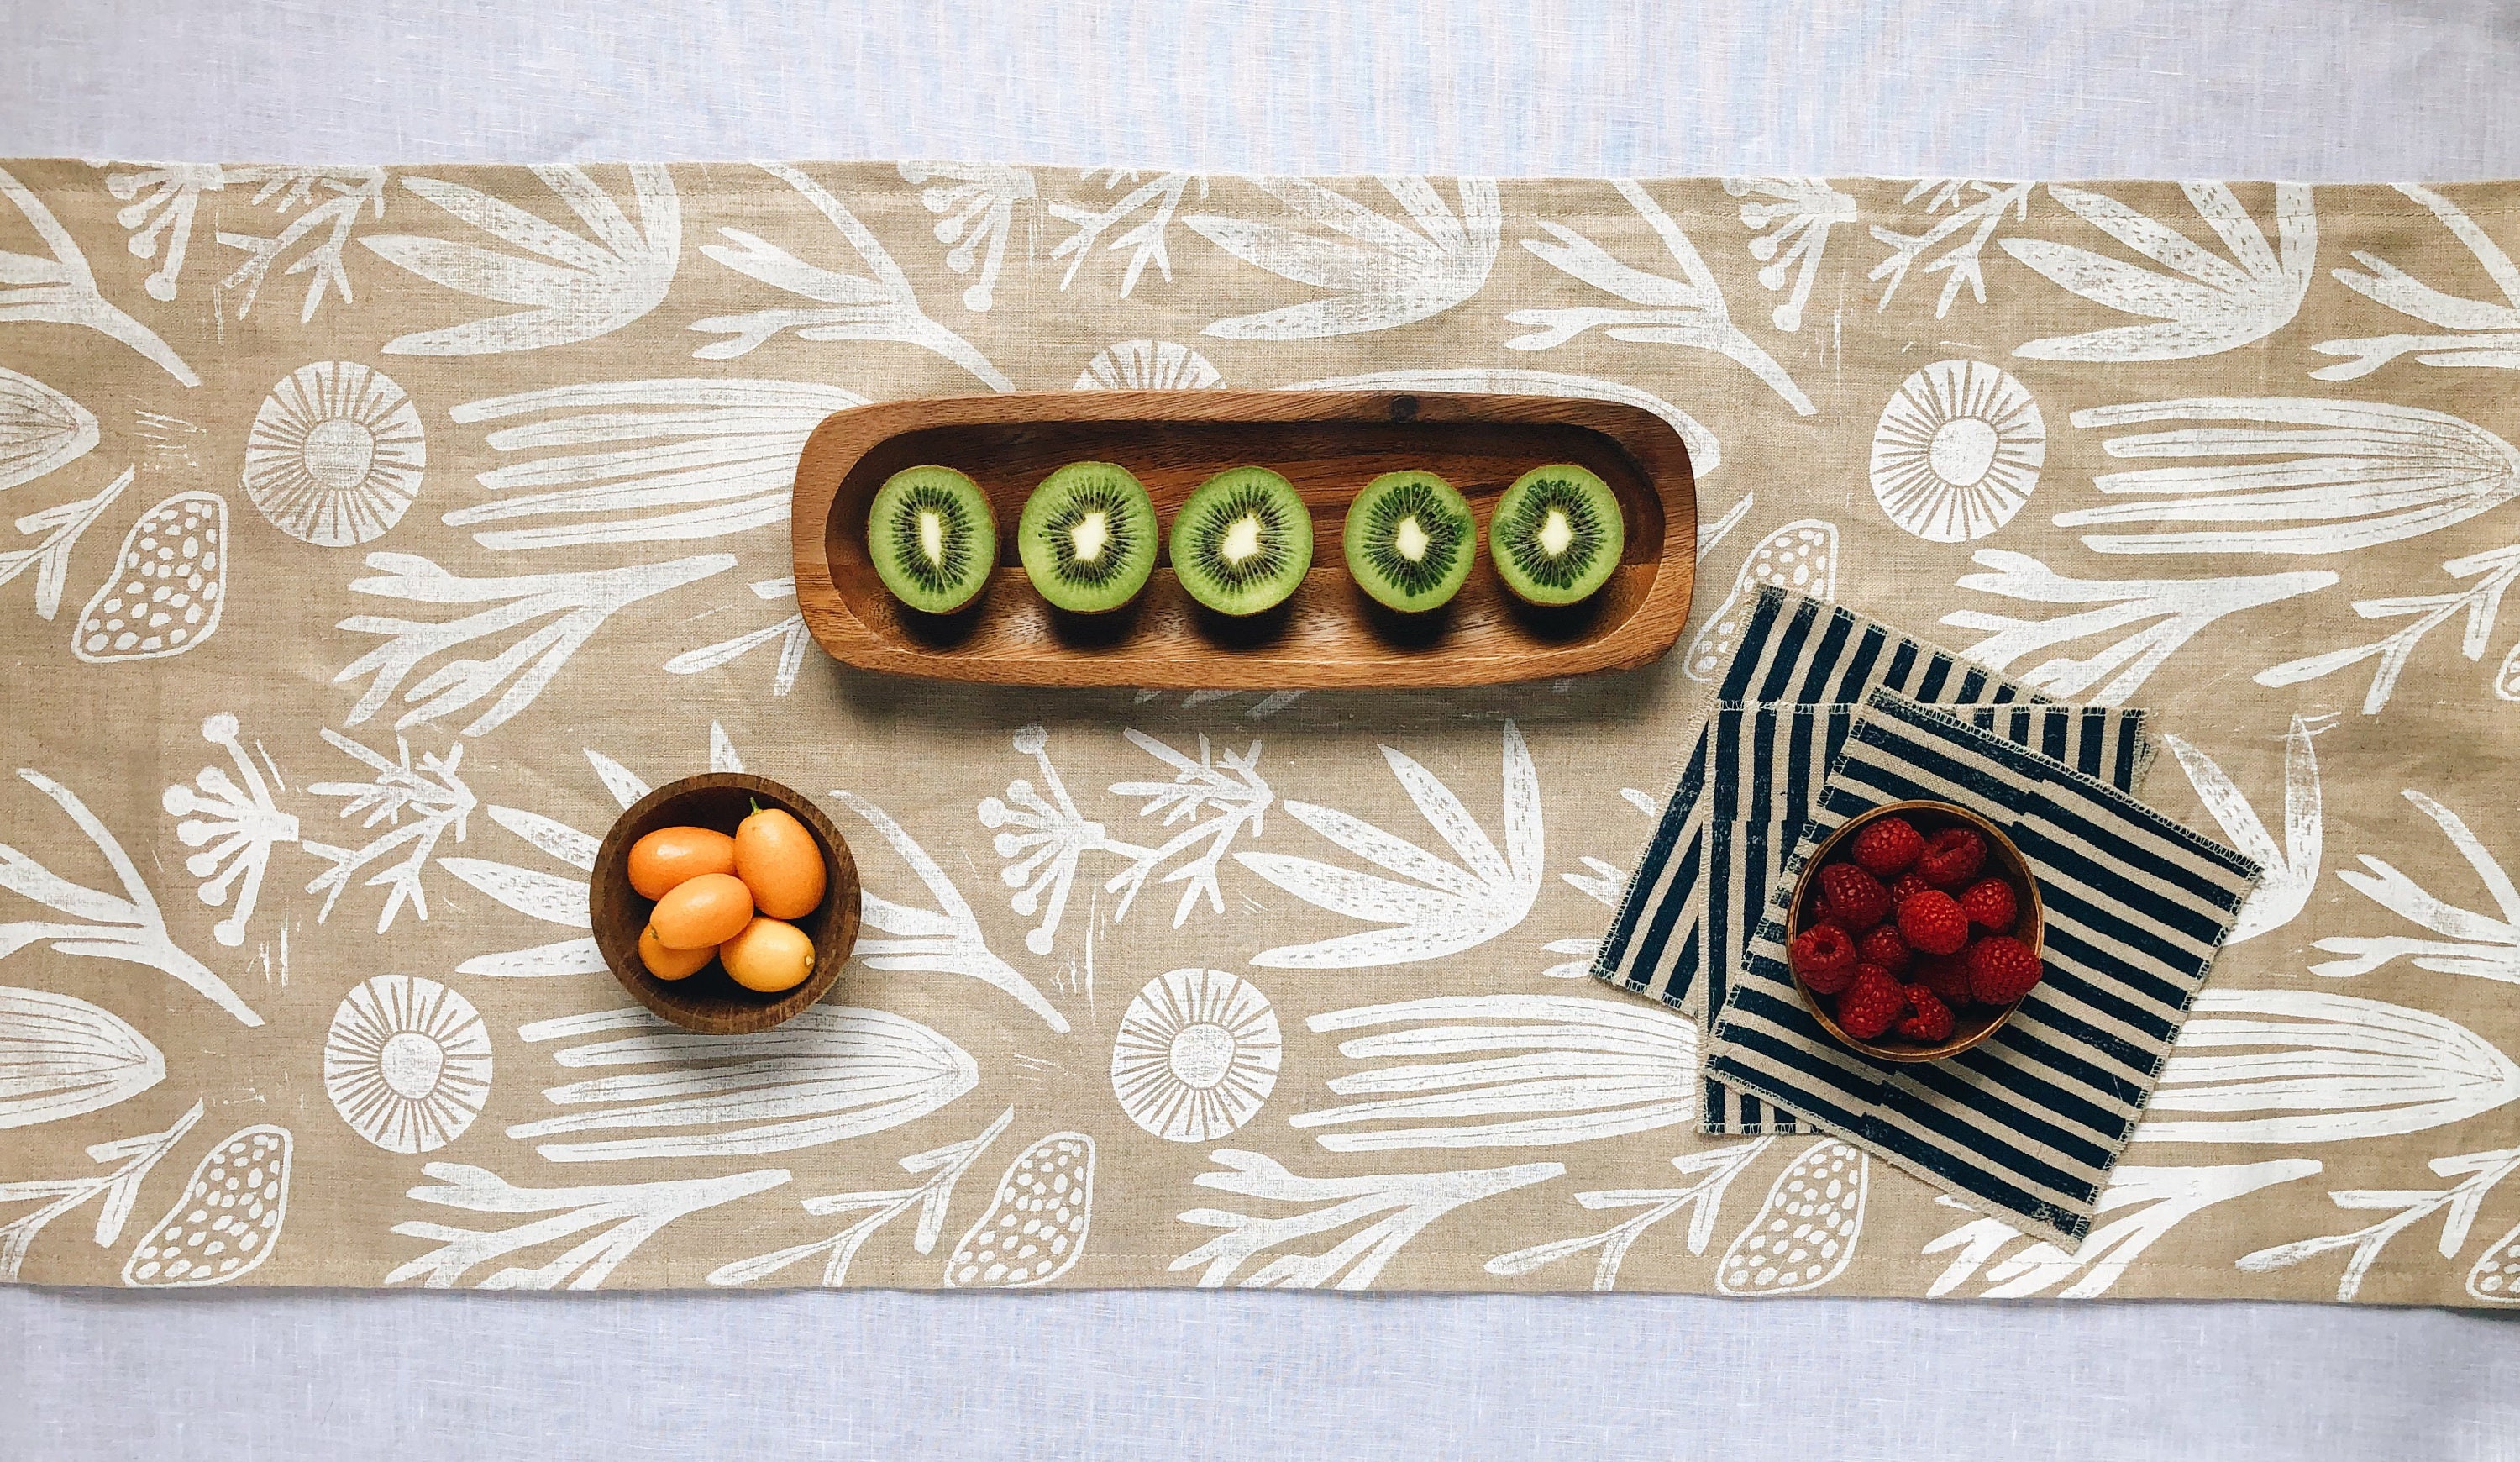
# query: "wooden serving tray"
1328,445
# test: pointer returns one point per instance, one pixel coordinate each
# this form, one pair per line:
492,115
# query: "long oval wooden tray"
1328,445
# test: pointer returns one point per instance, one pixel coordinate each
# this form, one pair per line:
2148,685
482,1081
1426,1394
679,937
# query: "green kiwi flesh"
1244,541
1088,538
1558,534
932,538
1410,539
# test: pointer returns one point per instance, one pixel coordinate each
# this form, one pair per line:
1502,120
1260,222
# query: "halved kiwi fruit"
1556,534
1241,543
932,537
1088,538
1410,539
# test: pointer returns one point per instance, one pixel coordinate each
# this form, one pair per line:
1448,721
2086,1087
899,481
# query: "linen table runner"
374,535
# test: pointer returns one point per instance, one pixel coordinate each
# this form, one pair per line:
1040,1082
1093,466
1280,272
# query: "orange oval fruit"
669,855
701,912
672,964
769,956
779,861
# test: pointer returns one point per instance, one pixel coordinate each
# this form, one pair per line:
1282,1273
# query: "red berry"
1824,957
1989,904
1947,975
1928,1019
1882,946
1907,886
2002,970
1855,897
1951,857
1888,846
1871,1004
1932,923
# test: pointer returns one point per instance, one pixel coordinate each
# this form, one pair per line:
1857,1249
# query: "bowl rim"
608,884
2029,924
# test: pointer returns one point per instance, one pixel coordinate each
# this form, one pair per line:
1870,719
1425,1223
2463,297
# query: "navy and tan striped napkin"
2028,1125
1767,764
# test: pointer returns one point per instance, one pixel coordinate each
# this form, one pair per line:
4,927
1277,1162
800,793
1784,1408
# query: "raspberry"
1947,975
1928,1019
1888,846
2002,970
1951,857
1989,904
1855,898
1907,886
1824,957
1882,946
1871,1004
1932,923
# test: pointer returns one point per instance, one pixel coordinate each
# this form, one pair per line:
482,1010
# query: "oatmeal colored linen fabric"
460,491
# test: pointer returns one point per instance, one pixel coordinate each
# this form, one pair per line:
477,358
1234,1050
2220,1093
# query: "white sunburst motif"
407,1063
1957,451
1147,365
1196,1055
335,455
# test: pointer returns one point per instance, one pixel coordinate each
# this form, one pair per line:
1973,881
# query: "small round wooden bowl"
710,1001
2002,860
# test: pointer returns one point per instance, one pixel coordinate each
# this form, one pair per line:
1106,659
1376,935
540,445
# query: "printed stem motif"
1703,1198
633,1212
2406,1208
2472,944
2480,601
1144,242
120,1188
1960,263
1687,311
1400,1205
930,1196
431,791
127,927
2476,332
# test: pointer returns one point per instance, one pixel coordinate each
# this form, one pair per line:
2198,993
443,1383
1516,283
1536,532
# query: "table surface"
2060,89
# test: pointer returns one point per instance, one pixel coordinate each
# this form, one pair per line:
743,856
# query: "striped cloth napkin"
1767,764
2028,1125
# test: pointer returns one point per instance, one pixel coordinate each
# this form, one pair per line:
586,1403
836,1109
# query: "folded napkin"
1766,765
1790,649
2028,1125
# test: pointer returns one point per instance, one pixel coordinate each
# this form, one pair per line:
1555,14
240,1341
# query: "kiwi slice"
932,537
1556,534
1088,538
1410,540
1241,543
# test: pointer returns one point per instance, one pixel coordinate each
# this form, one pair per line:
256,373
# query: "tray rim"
1651,629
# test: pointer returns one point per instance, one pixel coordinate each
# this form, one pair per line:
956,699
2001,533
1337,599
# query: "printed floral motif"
1957,451
335,455
407,1063
1196,1055
2207,302
1382,273
1966,214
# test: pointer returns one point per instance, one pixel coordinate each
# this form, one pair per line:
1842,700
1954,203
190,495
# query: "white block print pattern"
407,1063
1957,451
1805,1234
1196,1055
226,1222
168,587
335,455
1037,1223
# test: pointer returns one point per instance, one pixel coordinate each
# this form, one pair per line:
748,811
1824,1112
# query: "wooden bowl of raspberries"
1915,931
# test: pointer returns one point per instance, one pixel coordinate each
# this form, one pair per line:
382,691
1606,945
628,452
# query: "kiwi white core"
1091,535
1242,540
1411,539
931,534
1556,533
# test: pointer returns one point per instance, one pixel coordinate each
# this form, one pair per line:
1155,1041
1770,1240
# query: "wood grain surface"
1330,445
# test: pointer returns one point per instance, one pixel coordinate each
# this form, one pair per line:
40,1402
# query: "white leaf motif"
2207,304
2479,332
1447,907
62,289
2161,1199
1400,1205
629,1214
1384,274
2292,866
945,940
575,288
2486,945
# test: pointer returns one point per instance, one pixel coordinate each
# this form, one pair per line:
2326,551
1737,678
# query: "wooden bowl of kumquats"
725,902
